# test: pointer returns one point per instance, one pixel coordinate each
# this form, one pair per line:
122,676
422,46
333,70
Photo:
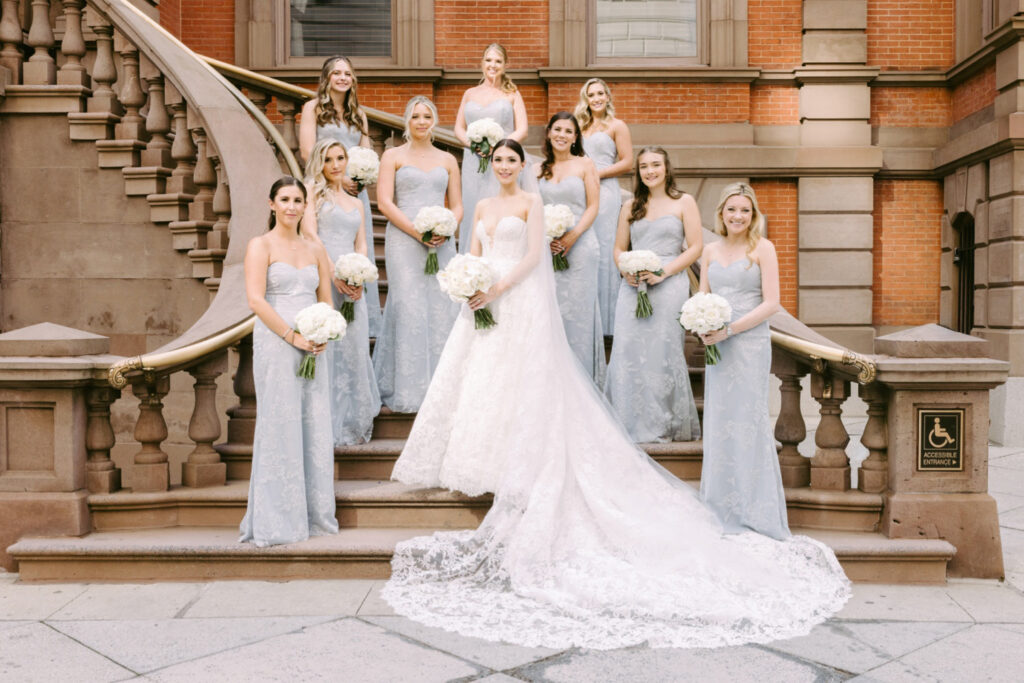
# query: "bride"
589,542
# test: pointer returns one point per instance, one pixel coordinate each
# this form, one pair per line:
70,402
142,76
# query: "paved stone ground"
342,631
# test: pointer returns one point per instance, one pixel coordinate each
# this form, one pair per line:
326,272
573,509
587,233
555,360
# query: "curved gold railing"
866,369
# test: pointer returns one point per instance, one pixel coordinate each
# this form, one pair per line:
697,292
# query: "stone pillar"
150,469
830,466
237,452
204,467
102,476
874,471
938,470
40,69
790,429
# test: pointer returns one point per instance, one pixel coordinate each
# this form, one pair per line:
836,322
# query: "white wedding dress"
589,542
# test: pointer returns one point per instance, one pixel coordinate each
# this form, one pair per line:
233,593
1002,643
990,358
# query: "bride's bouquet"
558,219
634,263
356,270
363,165
483,135
319,324
703,313
464,276
431,221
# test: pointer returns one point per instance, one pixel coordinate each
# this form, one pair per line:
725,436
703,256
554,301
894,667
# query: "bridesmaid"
335,113
607,141
567,177
336,220
741,481
291,490
417,315
496,97
648,381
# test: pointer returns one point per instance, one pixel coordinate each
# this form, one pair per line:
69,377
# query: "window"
646,28
355,28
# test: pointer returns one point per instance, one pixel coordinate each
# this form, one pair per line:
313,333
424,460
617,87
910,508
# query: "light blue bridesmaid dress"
476,185
601,149
417,315
355,400
648,381
740,480
577,286
350,137
291,489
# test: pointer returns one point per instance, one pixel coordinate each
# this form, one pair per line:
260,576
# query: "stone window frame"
721,37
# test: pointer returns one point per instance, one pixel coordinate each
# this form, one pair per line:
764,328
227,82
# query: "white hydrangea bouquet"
319,324
634,263
483,135
464,276
703,313
431,221
363,165
356,270
558,219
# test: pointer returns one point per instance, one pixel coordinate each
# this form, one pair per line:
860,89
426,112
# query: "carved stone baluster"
204,467
790,429
73,46
130,132
103,109
207,264
101,475
150,469
190,234
288,132
830,466
237,452
40,68
150,178
172,205
10,37
874,471
260,99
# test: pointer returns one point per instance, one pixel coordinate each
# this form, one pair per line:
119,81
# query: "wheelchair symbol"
938,437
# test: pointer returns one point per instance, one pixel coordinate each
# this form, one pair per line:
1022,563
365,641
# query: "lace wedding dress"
588,542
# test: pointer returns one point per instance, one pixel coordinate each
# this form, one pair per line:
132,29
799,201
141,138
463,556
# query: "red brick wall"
907,248
775,33
206,26
974,94
911,107
665,102
778,201
774,105
910,35
170,16
463,28
392,97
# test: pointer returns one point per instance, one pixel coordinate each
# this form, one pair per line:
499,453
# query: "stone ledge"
50,339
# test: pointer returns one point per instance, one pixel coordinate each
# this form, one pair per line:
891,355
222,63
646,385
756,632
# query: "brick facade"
778,202
974,94
902,107
467,26
910,35
775,32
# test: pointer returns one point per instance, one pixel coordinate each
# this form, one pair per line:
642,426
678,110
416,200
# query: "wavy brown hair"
576,149
326,112
506,84
642,193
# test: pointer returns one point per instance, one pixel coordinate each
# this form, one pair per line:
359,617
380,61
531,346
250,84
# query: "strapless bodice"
569,191
337,228
601,148
740,285
500,110
509,244
347,136
416,188
663,235
290,289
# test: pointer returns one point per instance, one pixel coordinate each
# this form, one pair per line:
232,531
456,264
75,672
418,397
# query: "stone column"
874,471
830,466
790,429
237,452
101,475
150,469
204,467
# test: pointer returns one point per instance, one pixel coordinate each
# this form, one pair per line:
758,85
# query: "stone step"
205,553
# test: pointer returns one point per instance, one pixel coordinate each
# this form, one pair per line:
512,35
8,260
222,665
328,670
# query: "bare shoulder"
764,247
686,202
258,248
309,107
392,154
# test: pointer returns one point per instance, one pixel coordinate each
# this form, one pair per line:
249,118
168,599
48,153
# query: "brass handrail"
866,367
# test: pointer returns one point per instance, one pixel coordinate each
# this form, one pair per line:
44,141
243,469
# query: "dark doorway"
963,262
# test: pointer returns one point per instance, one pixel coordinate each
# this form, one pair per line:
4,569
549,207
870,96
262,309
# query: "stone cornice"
835,74
685,74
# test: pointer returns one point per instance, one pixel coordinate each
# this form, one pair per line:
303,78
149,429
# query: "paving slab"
130,601
1014,519
1013,461
374,605
861,646
643,665
34,601
999,452
979,653
342,650
1005,480
35,652
146,645
988,601
901,603
13,623
1005,502
289,598
498,678
498,656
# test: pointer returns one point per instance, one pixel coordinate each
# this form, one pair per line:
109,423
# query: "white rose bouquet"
483,134
356,270
634,263
464,276
319,324
558,219
363,165
703,313
431,221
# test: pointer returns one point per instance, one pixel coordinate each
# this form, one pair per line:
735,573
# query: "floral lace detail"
601,148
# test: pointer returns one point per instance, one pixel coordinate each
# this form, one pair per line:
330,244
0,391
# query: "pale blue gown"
577,286
350,137
648,381
291,488
601,149
355,400
740,480
476,185
417,315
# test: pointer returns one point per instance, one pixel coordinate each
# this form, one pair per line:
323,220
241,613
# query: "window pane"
356,28
646,28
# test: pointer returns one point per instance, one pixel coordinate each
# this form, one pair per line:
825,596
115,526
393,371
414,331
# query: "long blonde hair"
506,85
326,112
583,113
758,222
315,178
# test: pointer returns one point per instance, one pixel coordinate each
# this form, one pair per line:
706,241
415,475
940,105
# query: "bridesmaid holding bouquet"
648,381
496,98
